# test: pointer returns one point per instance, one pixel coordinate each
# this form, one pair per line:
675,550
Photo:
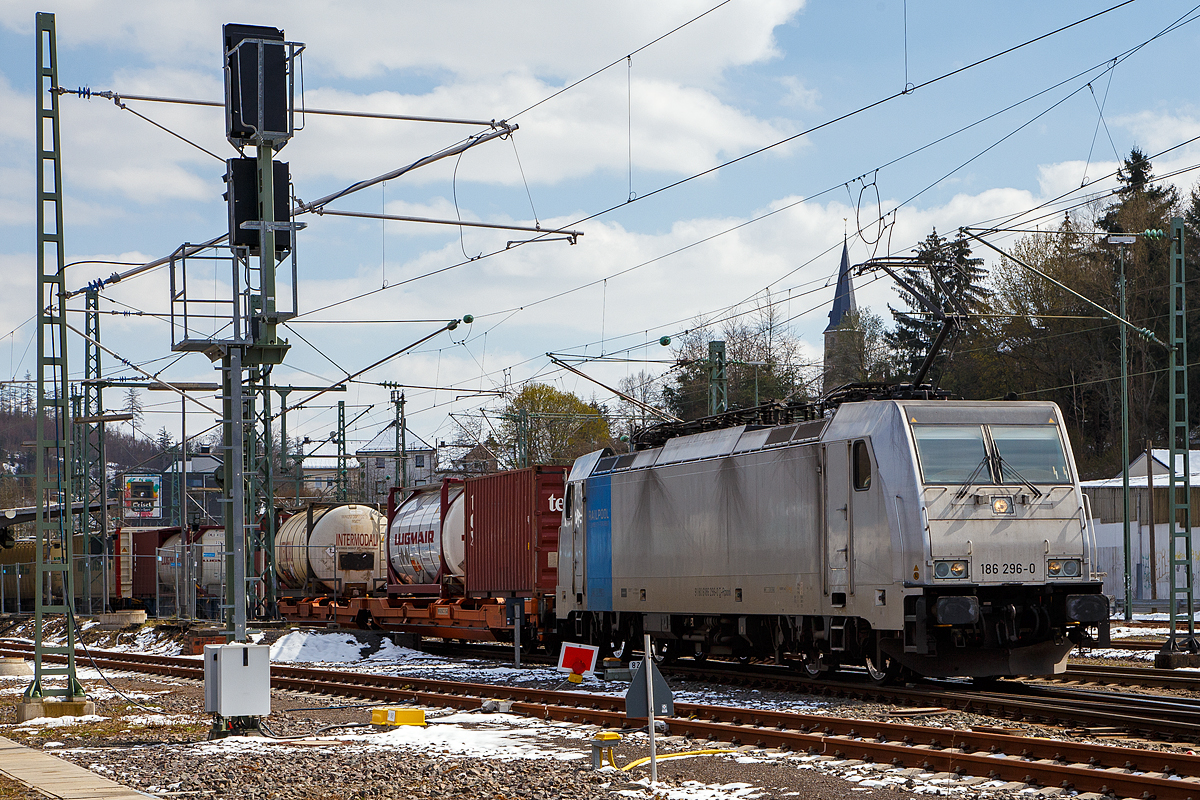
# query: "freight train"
945,538
948,538
470,560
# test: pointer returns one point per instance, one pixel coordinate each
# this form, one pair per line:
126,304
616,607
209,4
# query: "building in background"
319,474
378,463
838,367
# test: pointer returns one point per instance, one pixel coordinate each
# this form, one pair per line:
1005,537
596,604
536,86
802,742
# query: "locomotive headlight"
1063,568
950,569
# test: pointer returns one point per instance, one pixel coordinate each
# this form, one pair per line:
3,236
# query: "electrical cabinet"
237,680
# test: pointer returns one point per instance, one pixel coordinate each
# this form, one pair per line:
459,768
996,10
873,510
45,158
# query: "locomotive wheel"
884,673
812,664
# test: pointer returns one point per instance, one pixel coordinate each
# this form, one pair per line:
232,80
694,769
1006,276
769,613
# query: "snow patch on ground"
59,722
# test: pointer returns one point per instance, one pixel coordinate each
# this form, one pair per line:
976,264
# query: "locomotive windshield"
1034,453
959,454
950,453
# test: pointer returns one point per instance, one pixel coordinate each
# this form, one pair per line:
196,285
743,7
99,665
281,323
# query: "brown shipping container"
512,532
146,542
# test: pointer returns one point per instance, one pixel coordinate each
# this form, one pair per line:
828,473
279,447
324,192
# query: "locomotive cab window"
1032,452
862,466
570,504
951,453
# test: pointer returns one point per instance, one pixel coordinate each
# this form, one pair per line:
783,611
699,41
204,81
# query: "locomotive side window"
862,467
1032,452
570,500
951,453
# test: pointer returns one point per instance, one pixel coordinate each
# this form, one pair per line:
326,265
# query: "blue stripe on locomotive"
599,543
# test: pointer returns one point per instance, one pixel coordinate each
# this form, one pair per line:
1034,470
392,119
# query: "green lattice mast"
53,549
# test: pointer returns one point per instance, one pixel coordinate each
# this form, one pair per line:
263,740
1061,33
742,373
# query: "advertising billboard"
143,496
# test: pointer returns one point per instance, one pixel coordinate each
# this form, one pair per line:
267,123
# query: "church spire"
843,298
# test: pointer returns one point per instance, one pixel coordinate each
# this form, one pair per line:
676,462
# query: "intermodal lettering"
356,540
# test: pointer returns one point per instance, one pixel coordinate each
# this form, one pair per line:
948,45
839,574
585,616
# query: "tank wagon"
147,561
948,538
336,550
466,560
326,551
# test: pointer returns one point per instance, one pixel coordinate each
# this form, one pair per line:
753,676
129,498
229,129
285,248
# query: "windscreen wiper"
971,479
1004,466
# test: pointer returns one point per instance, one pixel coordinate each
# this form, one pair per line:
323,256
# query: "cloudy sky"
637,156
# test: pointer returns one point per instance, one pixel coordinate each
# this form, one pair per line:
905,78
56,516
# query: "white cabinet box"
237,680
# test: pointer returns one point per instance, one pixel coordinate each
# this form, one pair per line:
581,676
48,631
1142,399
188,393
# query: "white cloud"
675,128
472,40
1067,176
15,127
1155,131
798,95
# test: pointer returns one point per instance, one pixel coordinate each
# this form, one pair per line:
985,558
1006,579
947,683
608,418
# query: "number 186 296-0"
1011,568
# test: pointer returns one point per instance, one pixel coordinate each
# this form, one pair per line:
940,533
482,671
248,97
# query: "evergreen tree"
963,278
133,405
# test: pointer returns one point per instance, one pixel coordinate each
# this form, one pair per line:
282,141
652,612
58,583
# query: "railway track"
1083,766
1135,645
850,681
1098,675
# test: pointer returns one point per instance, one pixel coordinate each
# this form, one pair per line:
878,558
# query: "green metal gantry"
53,576
1181,599
343,474
262,448
94,523
718,386
401,442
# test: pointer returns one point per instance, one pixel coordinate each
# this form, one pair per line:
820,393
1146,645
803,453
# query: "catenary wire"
765,148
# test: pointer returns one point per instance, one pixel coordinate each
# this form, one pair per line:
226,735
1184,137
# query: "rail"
1000,755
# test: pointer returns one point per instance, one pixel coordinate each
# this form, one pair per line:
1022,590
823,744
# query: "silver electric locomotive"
946,537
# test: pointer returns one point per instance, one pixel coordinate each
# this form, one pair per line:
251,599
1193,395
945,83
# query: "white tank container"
345,552
211,572
420,541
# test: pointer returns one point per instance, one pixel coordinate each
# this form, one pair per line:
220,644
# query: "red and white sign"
578,659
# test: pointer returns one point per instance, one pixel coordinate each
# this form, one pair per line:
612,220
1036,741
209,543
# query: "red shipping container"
512,532
146,542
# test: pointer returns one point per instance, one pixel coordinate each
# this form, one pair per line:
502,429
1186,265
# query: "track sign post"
636,700
578,659
649,695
